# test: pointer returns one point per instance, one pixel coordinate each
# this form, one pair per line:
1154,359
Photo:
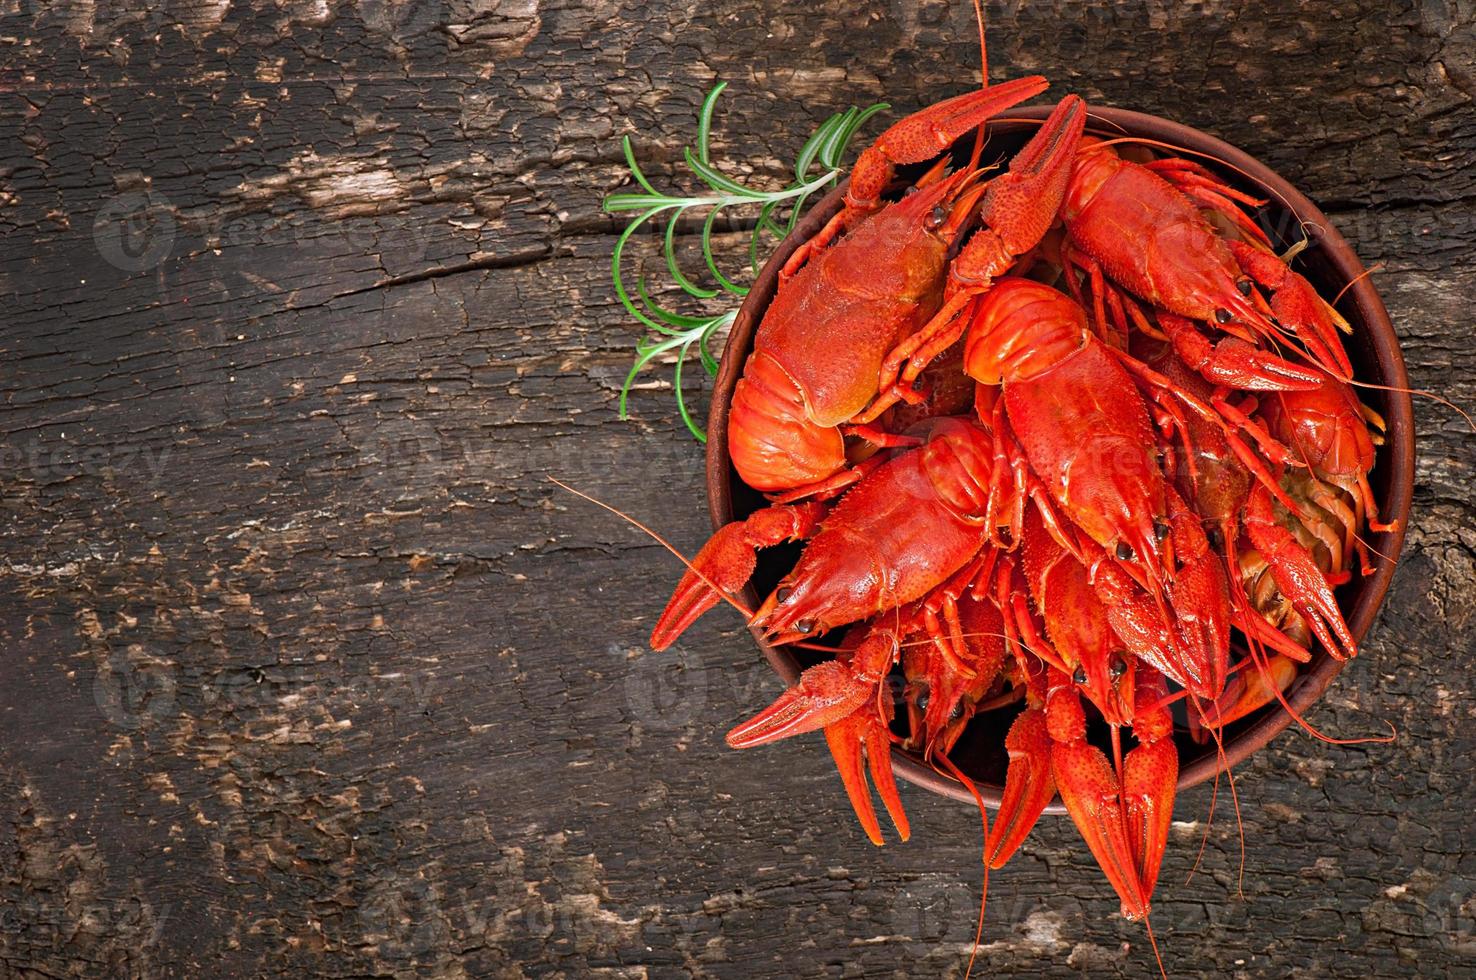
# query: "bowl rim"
1397,453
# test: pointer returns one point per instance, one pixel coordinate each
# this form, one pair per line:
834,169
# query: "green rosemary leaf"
758,231
681,321
709,363
708,360
645,353
615,258
832,146
639,202
794,215
864,115
681,398
832,152
718,182
635,170
712,265
701,292
812,146
704,119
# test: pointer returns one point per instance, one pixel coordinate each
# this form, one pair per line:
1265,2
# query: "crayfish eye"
1244,285
783,594
1080,677
922,700
1216,539
1222,315
1117,666
1124,551
1161,530
805,626
936,217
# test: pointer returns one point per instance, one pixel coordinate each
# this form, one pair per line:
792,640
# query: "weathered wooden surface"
307,669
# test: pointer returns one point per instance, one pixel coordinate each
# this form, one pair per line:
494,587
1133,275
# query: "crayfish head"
944,209
1077,624
797,610
1107,681
1324,427
917,692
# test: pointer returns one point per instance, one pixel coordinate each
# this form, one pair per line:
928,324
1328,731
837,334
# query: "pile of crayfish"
1051,433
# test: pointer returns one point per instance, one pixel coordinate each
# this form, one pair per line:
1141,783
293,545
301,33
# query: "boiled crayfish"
1163,449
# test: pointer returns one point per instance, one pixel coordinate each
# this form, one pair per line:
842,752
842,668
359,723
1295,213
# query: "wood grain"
309,670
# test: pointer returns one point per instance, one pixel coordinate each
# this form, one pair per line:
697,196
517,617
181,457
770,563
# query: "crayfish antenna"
1218,735
1263,634
1235,804
1209,824
1465,416
691,567
1153,941
978,150
984,857
1316,733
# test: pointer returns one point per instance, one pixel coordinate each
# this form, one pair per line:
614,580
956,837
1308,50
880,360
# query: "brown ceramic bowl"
1373,347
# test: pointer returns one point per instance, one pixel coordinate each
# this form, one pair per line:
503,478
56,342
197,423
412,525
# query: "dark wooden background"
304,666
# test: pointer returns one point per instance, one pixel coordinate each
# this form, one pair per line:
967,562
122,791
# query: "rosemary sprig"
675,331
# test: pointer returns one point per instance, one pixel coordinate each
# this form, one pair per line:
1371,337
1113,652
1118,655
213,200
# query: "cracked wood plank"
309,670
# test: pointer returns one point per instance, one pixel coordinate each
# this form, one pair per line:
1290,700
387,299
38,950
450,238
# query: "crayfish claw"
1251,689
1093,798
1296,307
845,739
1029,786
1123,817
826,693
1150,776
1199,598
840,697
1234,363
726,562
928,132
1020,205
1298,577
